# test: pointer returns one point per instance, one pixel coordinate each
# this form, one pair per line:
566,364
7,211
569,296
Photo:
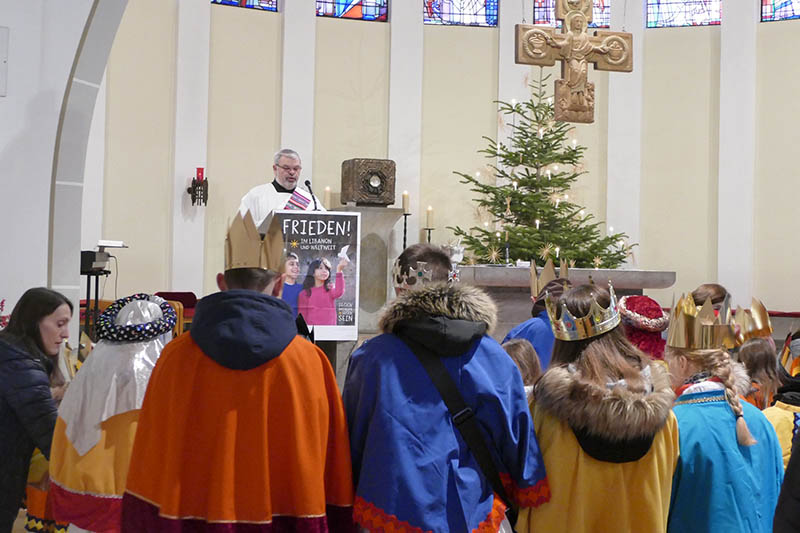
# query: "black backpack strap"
465,421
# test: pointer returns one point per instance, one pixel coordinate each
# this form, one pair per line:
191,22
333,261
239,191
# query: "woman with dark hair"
761,361
602,414
317,300
29,347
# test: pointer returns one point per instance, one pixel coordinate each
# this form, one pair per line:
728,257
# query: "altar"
510,287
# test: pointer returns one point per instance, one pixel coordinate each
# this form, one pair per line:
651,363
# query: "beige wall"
680,156
777,223
459,88
243,117
351,104
139,145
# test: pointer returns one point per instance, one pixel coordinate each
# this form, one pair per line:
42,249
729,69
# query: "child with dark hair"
527,360
317,299
291,289
761,362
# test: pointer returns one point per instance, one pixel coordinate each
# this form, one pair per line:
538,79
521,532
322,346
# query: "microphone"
308,184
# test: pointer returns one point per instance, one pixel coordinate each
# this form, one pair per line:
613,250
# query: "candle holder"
405,229
429,230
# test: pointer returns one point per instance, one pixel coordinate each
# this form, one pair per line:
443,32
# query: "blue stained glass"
772,10
544,12
460,12
675,13
355,9
266,5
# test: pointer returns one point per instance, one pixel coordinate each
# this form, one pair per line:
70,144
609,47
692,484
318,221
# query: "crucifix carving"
575,48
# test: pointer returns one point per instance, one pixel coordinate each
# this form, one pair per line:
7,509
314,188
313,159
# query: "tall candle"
327,198
406,203
429,217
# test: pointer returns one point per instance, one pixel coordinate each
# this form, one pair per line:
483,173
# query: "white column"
191,140
297,103
512,80
737,149
625,96
405,108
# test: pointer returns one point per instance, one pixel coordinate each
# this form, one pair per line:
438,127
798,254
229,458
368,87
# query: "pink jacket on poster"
319,309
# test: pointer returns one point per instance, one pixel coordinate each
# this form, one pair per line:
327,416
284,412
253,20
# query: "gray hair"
285,152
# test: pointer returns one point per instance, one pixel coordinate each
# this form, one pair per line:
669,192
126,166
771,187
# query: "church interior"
110,109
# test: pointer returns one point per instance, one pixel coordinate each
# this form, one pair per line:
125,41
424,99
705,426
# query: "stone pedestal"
510,287
377,254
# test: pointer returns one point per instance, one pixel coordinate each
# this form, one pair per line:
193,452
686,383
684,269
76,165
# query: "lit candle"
555,168
200,174
497,234
557,201
429,217
582,213
327,198
566,197
477,173
537,223
548,174
558,250
486,225
513,101
514,183
406,203
611,229
574,143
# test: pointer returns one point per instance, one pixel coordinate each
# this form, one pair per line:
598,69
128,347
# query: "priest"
283,192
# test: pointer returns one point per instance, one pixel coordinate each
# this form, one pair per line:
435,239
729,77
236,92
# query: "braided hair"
719,364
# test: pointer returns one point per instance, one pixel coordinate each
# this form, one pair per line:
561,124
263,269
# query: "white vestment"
263,199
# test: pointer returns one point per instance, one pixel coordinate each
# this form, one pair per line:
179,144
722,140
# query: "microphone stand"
308,184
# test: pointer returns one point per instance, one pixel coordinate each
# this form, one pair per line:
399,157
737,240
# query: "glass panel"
354,9
266,5
460,12
779,10
673,13
544,13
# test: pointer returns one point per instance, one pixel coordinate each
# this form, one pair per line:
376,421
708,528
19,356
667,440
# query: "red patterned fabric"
532,496
377,521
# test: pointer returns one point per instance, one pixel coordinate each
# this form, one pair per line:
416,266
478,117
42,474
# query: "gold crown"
540,281
599,320
245,248
753,322
698,328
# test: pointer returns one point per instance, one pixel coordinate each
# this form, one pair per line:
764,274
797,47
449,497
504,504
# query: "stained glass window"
672,13
354,9
266,5
779,10
460,12
544,12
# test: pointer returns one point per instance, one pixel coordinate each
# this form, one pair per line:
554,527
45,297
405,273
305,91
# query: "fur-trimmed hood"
454,301
611,422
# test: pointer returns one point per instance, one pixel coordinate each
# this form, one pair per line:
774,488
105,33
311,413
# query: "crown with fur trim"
753,322
599,320
699,328
540,281
245,248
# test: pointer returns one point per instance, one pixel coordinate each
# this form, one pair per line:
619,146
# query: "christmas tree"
529,205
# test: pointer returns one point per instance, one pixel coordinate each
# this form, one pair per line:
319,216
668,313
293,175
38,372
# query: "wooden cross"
541,45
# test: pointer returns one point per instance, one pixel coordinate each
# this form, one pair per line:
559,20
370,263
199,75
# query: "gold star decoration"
294,244
597,262
545,251
493,255
471,260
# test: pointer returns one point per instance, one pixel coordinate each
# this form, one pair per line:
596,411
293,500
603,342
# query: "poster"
322,261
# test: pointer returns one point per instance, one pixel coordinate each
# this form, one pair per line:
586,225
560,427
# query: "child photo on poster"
321,270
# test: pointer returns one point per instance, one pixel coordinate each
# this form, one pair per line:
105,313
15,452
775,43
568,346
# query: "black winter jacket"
787,515
27,418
